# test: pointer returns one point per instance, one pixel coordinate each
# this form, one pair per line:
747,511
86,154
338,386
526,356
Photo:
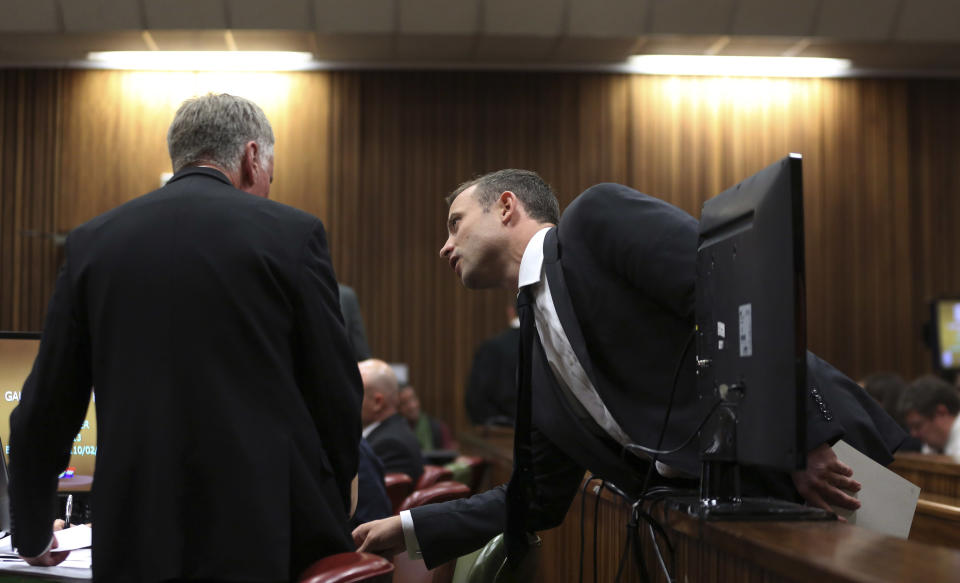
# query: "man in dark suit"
372,500
384,427
353,320
492,387
227,396
611,287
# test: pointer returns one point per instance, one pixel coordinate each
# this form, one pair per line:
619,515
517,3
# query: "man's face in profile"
409,405
934,430
475,243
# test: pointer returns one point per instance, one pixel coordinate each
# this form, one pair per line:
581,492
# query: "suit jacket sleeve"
846,411
448,530
51,410
326,370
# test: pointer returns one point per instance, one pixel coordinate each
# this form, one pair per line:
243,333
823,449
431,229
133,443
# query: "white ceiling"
920,37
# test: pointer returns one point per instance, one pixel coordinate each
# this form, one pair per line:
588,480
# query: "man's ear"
249,164
940,410
508,205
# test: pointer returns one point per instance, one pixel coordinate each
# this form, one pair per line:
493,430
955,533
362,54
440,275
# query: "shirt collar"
369,429
531,265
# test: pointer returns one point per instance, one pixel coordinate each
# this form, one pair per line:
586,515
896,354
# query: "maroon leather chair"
432,475
398,486
349,568
436,493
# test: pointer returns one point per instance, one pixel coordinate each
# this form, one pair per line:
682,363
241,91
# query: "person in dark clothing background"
491,389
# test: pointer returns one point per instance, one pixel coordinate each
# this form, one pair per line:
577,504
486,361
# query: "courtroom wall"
374,153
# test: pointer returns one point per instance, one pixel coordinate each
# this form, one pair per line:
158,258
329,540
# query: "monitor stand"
720,497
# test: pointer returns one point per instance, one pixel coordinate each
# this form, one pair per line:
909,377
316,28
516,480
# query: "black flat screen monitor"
750,313
946,334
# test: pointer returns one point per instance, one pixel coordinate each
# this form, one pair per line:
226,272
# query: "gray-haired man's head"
215,130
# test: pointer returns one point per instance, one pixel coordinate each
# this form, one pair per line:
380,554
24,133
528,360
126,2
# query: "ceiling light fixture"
202,60
717,66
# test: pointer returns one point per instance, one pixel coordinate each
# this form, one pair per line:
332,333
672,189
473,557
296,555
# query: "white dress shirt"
953,442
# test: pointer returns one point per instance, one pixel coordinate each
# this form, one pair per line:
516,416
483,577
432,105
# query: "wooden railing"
772,552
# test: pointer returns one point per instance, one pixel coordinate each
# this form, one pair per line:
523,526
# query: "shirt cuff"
409,536
41,553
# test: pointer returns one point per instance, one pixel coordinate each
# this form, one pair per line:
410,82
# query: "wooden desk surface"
825,551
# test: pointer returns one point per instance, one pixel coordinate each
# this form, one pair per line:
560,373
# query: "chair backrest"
432,475
441,492
349,568
398,486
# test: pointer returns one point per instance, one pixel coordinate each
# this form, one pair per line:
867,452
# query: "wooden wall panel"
374,153
30,104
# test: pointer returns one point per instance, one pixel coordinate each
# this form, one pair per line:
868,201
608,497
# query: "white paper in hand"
887,501
75,537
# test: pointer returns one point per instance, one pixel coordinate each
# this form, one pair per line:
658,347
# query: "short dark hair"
532,191
924,394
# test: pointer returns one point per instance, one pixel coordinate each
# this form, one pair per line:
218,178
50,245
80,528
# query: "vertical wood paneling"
30,139
374,153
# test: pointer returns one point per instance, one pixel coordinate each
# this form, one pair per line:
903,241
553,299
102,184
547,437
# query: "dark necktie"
520,490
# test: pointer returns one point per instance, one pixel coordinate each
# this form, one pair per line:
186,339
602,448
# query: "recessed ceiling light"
203,60
721,66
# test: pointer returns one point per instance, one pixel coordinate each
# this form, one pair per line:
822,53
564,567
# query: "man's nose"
446,249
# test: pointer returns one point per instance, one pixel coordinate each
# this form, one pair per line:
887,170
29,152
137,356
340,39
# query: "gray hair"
535,194
214,129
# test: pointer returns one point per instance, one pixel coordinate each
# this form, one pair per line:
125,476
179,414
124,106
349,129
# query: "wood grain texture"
736,551
374,153
935,474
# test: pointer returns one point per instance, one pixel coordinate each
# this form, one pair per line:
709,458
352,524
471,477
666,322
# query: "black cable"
633,535
666,419
596,522
583,517
657,452
624,555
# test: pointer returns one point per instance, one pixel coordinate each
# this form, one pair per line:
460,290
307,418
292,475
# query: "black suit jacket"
227,396
397,447
622,267
492,386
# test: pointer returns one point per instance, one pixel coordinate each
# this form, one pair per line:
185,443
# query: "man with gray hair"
227,396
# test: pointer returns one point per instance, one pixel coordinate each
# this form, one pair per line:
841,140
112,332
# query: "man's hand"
825,479
49,558
383,537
